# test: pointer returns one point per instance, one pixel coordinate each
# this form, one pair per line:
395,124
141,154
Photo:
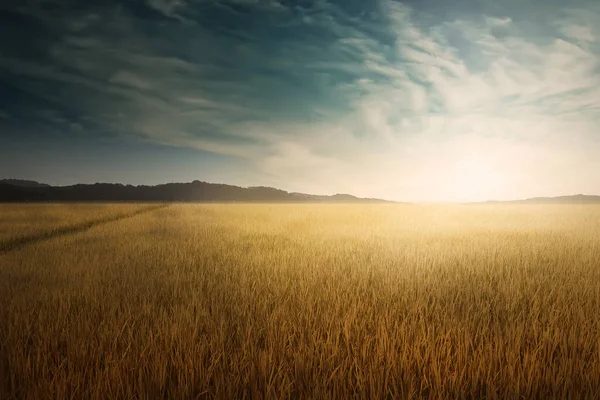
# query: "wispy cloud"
516,119
128,79
167,7
373,98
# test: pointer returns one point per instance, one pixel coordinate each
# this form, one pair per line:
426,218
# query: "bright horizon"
417,101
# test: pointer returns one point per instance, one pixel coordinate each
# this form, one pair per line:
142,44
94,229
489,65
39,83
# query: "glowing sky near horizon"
417,101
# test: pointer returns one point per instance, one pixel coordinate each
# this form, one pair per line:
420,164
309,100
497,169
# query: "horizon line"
441,202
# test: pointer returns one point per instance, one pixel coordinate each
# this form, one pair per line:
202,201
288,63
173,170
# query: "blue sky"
418,100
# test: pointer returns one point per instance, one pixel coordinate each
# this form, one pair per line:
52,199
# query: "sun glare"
473,178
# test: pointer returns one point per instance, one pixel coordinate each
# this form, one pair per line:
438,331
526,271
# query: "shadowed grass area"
308,301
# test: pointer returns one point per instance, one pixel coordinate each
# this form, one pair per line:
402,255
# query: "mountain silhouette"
22,182
13,190
18,190
573,199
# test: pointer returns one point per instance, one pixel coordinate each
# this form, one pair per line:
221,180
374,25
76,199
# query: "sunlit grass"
320,301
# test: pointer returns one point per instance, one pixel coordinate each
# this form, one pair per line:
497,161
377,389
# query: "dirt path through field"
22,241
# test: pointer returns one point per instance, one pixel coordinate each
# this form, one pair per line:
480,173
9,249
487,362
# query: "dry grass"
255,301
25,220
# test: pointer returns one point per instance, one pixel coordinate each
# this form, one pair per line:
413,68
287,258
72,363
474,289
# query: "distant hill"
22,183
574,199
197,191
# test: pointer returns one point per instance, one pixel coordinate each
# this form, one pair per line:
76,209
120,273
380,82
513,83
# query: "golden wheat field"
299,301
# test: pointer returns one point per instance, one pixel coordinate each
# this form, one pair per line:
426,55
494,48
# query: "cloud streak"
372,98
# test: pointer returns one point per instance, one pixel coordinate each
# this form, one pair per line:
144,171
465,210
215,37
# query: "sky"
421,100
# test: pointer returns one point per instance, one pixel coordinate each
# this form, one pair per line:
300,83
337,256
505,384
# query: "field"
299,301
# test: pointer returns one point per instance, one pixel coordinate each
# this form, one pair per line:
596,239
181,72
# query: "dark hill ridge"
22,183
18,190
195,191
